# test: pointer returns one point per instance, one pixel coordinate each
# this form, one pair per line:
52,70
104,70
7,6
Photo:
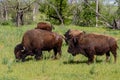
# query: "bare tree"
19,7
4,10
20,12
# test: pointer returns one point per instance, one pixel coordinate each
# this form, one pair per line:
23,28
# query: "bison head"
73,46
71,33
18,51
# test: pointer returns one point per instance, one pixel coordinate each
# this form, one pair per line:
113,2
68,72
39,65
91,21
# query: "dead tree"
4,11
116,24
20,14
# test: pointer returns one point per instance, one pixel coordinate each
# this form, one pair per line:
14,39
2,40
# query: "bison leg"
23,57
90,59
115,55
90,55
55,53
59,51
38,54
107,56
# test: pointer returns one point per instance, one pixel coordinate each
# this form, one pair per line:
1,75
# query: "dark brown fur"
44,26
93,44
37,40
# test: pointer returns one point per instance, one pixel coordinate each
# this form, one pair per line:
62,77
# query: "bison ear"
69,30
75,41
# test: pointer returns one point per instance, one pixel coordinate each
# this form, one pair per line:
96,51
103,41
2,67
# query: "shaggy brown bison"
71,33
44,26
93,44
19,52
35,41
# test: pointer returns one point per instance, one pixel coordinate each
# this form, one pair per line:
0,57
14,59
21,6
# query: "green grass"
61,69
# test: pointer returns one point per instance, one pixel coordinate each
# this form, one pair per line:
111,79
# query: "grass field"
61,69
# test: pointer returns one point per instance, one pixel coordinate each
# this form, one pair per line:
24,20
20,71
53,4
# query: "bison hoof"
23,60
54,57
89,62
17,60
37,58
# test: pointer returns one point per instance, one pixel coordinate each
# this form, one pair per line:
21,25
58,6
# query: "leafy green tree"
84,15
56,10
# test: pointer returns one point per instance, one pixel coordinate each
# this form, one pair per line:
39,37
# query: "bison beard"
35,41
93,44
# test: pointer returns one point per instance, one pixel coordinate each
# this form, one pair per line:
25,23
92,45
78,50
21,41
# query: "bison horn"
75,40
23,49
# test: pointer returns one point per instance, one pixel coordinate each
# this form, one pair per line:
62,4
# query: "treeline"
78,12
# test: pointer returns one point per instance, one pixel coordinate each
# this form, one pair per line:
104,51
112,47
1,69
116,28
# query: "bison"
93,44
71,33
35,41
44,26
19,52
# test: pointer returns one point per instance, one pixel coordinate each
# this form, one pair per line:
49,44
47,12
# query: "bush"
6,22
5,60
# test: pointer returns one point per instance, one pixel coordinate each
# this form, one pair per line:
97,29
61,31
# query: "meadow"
65,68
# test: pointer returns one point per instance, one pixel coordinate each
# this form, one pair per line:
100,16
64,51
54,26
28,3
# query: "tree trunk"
5,13
60,12
1,13
19,18
86,1
116,24
97,13
35,10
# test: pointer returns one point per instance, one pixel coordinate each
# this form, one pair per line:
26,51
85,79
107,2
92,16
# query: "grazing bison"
19,52
71,33
44,26
35,41
93,44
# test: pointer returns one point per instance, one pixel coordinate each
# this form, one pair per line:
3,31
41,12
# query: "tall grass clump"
43,68
93,69
5,77
5,60
9,65
70,59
